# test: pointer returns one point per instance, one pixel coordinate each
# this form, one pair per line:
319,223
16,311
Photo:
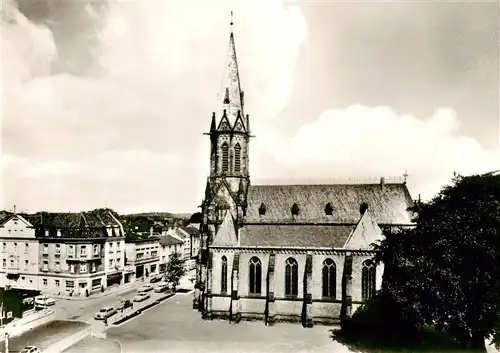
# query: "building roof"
168,240
93,219
290,235
387,202
191,231
227,232
142,240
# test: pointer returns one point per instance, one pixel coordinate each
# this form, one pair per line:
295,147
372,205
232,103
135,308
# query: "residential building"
297,253
144,256
62,253
169,245
190,237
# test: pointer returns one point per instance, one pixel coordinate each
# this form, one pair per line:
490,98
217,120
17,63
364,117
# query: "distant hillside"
161,214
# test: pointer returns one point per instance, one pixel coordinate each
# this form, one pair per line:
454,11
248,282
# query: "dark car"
155,279
126,303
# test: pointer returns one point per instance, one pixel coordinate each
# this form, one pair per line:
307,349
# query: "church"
285,253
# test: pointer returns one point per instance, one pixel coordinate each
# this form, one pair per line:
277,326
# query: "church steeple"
231,96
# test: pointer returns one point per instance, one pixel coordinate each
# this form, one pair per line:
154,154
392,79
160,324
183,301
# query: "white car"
105,313
30,349
44,300
141,297
145,288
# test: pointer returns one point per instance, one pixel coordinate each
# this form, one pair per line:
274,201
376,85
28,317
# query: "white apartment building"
62,253
143,255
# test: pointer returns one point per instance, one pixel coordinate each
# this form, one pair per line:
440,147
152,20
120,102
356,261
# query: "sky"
104,104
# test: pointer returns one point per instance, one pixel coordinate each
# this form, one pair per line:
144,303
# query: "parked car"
44,300
155,279
30,349
125,303
163,287
145,288
105,313
141,297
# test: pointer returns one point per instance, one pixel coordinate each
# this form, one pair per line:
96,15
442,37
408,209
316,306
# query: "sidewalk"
124,288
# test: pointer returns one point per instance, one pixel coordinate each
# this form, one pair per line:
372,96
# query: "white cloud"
129,133
361,142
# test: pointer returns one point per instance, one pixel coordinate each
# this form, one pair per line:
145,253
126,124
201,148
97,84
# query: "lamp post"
6,342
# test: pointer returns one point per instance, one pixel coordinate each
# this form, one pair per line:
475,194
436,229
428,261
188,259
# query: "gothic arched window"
225,157
223,284
291,277
237,158
368,274
255,275
329,277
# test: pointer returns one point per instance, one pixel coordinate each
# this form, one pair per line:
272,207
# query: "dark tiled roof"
168,240
330,236
191,231
4,216
387,203
92,219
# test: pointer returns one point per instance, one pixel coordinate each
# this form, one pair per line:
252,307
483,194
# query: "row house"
169,245
62,253
142,256
190,236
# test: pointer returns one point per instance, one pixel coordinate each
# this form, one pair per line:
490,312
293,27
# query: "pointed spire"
212,125
231,99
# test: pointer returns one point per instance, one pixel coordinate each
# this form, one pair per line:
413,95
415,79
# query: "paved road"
95,345
174,326
45,335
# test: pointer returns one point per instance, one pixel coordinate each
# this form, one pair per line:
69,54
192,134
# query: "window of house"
58,266
58,282
83,251
71,268
26,247
111,263
83,268
71,251
237,158
223,286
291,277
118,260
96,250
368,274
26,264
70,284
45,265
11,263
45,281
255,275
58,248
329,277
45,249
4,263
225,157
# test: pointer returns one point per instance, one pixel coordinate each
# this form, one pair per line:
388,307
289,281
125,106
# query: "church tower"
227,185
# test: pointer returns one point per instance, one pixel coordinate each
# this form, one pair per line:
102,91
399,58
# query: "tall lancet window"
291,277
329,278
225,157
255,275
223,285
368,278
237,158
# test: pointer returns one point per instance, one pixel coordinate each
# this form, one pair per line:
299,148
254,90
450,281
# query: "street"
174,326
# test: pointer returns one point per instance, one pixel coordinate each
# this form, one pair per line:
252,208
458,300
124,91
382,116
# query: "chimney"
151,231
382,182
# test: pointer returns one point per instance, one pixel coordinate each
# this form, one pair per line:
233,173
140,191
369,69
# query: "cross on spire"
231,23
405,175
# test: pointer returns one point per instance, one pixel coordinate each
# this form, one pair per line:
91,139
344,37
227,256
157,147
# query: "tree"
445,272
195,218
175,269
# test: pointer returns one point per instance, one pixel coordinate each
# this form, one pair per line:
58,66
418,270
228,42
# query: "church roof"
387,202
227,232
365,233
314,236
